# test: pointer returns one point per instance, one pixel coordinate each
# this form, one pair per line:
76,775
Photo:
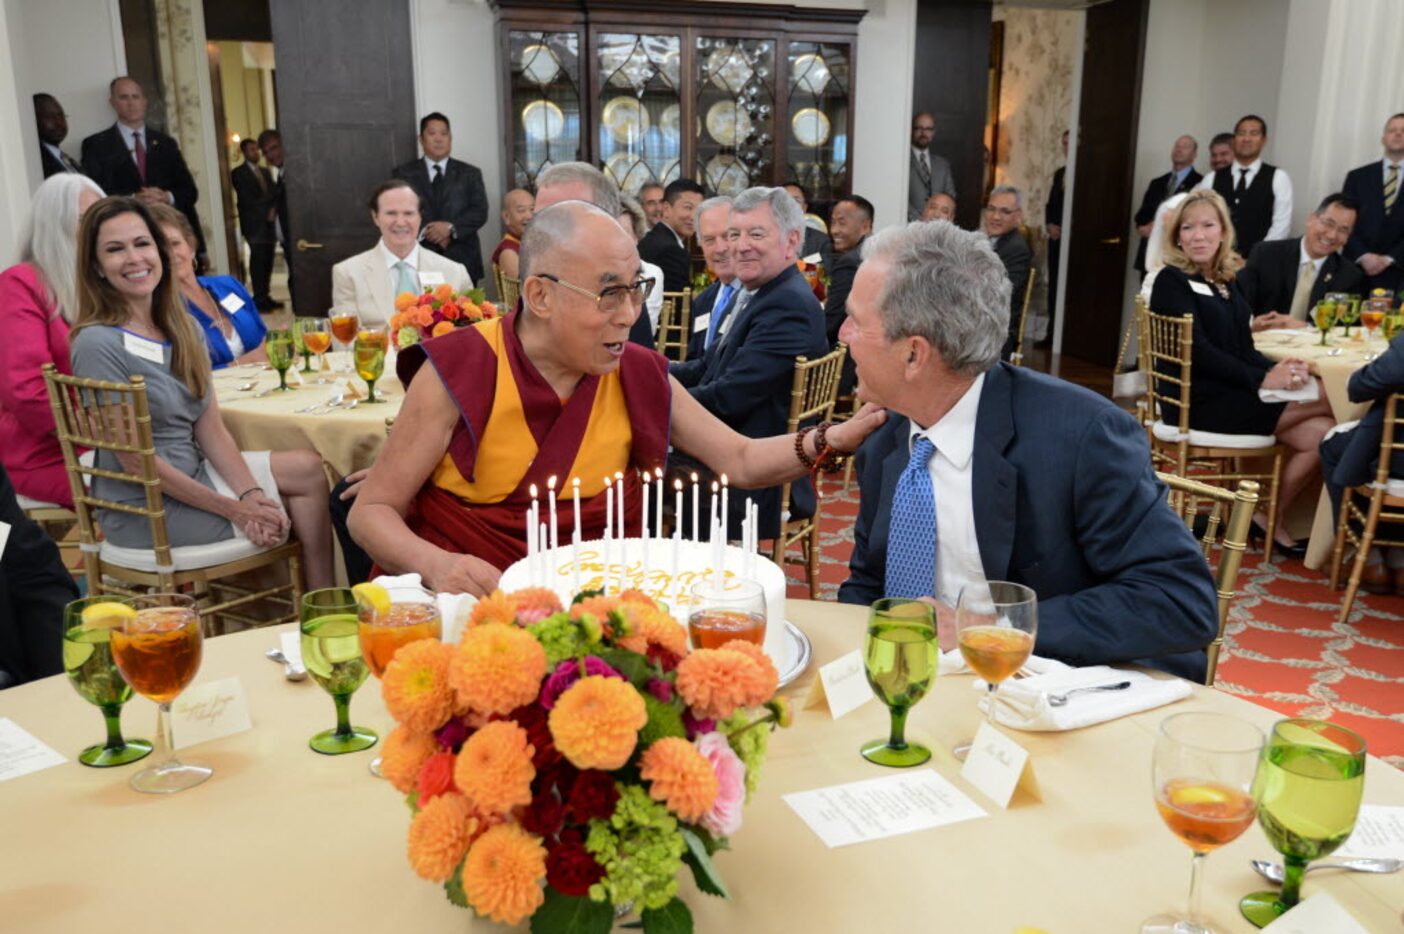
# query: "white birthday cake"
648,565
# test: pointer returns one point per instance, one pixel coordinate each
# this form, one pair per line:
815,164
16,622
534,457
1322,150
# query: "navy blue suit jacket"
1065,502
1358,450
1375,231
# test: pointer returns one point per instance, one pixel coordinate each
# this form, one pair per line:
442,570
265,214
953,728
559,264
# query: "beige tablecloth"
347,440
284,839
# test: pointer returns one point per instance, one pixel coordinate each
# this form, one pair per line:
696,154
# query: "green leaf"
629,664
585,595
672,918
453,888
412,800
700,861
569,913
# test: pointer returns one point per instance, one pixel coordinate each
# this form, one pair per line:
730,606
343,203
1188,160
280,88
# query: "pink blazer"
31,335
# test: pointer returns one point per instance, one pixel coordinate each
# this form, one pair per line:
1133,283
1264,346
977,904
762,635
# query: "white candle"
609,529
677,530
696,516
724,512
713,512
575,495
551,506
643,532
535,514
543,576
621,529
575,553
528,537
658,523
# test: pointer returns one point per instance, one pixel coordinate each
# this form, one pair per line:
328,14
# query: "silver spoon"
1274,873
290,671
1058,700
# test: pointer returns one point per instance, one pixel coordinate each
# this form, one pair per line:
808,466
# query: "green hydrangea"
749,745
558,635
640,849
406,336
663,720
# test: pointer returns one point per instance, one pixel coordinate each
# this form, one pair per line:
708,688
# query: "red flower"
592,797
662,657
532,718
436,776
450,311
571,870
452,735
544,816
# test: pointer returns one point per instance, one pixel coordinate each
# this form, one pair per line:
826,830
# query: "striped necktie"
1391,186
911,539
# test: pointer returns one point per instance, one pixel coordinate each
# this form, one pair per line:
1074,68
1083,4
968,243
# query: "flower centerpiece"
436,312
563,764
816,276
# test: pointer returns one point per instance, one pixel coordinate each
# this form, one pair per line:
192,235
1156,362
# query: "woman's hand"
259,518
462,574
846,436
1287,374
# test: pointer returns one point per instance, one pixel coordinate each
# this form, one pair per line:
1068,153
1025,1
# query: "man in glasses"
1004,212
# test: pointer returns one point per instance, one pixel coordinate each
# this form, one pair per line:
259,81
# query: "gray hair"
1009,190
712,204
788,216
552,227
946,285
50,238
604,194
629,205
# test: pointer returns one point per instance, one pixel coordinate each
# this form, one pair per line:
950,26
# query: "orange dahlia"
494,769
503,873
596,722
439,836
406,300
652,626
404,755
442,328
714,682
599,607
496,607
497,668
415,685
444,292
680,777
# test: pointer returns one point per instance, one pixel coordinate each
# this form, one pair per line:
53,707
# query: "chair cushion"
1395,488
185,558
1211,439
27,504
1340,429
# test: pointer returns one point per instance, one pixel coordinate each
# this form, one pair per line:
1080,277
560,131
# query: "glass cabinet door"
819,102
639,131
735,107
545,101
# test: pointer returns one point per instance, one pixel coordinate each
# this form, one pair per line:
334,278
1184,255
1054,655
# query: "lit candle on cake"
696,516
579,535
622,528
724,511
575,563
533,516
643,531
658,523
677,527
713,512
609,528
551,507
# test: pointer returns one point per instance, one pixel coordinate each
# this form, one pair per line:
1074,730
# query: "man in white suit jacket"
368,282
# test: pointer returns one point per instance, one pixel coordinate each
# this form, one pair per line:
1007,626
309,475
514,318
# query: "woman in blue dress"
219,304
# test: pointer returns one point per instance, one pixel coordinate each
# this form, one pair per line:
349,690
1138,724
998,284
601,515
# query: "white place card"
841,686
291,644
1319,914
4,537
210,711
882,807
427,277
21,753
143,348
997,766
231,303
1379,833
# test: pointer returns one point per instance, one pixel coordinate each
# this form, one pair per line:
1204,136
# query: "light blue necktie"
718,312
911,539
407,281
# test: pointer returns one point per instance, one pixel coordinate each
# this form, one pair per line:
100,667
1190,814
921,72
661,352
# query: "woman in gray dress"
131,323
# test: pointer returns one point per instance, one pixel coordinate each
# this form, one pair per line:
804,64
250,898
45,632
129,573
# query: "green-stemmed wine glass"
1310,779
1324,314
300,328
899,658
279,345
369,353
1347,309
87,659
331,652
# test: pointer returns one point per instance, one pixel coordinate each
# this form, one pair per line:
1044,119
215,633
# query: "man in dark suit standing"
987,471
665,246
53,130
745,376
131,158
455,201
716,301
257,197
1003,214
1053,223
270,143
850,223
1181,178
1378,242
1259,195
1285,278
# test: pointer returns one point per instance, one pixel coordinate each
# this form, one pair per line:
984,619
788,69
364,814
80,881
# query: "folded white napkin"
1308,393
1023,704
454,608
953,663
1283,332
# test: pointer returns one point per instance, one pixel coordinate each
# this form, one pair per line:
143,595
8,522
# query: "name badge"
430,278
1201,288
699,323
231,303
143,348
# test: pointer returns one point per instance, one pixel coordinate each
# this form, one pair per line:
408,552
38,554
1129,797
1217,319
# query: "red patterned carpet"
1283,649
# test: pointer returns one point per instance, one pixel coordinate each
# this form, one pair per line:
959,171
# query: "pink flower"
660,689
724,819
567,673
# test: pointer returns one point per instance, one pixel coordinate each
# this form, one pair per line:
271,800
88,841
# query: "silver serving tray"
799,652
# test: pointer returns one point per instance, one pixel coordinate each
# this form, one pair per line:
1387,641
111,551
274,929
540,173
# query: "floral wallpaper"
182,55
1035,107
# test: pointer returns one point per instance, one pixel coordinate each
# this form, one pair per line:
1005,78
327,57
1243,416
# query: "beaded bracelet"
248,491
804,458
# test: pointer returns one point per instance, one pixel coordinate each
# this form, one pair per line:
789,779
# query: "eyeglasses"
1002,212
612,297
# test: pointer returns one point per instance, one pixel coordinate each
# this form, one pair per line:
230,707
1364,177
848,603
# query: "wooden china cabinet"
729,94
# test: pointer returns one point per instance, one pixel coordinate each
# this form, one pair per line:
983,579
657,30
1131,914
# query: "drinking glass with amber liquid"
279,345
158,650
1373,315
736,610
390,619
88,625
369,352
331,652
899,659
300,329
1347,309
996,624
344,327
316,337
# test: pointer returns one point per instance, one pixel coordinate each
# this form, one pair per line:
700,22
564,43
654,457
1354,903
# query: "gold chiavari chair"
812,398
847,407
1017,357
1368,505
114,417
674,325
1176,448
508,289
1202,507
60,524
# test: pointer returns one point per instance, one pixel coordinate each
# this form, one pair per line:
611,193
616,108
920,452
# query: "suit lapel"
994,481
378,279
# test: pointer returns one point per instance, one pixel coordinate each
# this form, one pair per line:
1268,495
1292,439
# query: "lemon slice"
374,594
109,614
1199,794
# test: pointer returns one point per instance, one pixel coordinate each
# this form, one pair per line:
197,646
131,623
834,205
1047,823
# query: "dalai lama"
555,389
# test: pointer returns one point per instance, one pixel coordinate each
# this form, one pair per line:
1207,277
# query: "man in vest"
1259,195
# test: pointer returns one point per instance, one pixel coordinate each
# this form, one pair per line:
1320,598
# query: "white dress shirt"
391,260
1281,226
442,164
952,470
1384,171
654,306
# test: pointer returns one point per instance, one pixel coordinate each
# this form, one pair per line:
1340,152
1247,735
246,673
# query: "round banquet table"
281,838
348,440
1334,363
